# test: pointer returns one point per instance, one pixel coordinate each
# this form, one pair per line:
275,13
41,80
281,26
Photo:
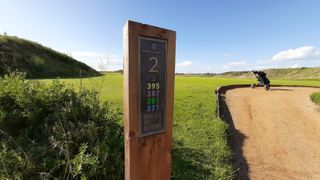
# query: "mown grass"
200,149
315,97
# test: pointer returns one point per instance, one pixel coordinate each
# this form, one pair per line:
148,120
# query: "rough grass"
288,73
200,149
315,97
38,61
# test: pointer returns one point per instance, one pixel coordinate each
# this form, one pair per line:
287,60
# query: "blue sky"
212,36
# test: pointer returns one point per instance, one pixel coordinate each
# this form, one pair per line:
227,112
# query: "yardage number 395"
153,86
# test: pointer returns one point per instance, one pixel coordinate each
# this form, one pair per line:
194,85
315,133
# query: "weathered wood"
146,157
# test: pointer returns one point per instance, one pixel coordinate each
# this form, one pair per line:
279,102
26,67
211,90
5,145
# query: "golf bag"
262,80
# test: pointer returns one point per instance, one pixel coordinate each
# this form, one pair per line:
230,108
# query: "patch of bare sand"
280,132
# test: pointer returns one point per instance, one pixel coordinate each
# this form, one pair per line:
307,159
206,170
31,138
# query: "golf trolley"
262,80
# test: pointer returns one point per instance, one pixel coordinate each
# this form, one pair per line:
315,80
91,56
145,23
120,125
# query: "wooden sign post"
149,68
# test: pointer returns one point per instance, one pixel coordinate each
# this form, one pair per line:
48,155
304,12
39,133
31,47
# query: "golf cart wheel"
253,86
267,87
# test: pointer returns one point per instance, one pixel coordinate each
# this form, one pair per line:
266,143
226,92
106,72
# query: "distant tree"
5,33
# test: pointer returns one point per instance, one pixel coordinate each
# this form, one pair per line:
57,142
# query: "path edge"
221,90
222,112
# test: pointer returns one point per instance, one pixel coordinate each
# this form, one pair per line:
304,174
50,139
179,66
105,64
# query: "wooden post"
149,68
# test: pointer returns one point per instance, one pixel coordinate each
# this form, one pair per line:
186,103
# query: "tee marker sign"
149,63
152,64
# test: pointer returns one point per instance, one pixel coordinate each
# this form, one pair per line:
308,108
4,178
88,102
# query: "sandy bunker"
276,133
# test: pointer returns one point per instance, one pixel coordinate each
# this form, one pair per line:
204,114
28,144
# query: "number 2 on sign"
155,60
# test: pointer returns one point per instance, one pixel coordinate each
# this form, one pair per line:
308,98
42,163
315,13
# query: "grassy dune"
287,73
201,149
38,61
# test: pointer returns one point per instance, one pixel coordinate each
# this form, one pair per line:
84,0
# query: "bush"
315,97
52,131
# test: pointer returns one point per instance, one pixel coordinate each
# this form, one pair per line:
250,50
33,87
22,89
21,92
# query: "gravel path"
276,133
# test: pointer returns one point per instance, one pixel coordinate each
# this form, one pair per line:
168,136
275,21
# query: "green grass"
200,149
110,86
38,61
315,97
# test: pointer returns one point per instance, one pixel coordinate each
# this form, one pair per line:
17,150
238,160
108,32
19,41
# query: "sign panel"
148,88
152,69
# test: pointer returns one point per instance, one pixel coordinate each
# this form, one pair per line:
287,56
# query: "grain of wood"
146,157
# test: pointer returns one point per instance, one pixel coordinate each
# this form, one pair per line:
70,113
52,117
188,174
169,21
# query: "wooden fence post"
149,68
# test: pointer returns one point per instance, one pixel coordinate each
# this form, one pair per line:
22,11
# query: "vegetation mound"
315,97
53,132
38,61
288,73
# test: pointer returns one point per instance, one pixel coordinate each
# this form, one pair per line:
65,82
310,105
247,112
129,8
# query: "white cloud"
237,64
225,54
307,56
184,64
245,66
258,67
295,66
111,58
264,61
97,60
302,53
85,54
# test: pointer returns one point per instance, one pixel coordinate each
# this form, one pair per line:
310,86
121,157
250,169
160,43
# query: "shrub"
315,97
52,131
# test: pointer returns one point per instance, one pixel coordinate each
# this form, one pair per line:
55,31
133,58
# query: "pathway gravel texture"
276,133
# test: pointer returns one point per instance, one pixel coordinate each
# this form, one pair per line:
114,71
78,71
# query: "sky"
212,36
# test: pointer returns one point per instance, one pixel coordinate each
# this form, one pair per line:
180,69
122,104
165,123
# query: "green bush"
52,131
315,97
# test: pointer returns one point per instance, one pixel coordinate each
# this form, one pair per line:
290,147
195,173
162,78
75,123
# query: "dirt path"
276,133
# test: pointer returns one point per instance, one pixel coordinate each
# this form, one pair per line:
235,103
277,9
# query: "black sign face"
152,69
